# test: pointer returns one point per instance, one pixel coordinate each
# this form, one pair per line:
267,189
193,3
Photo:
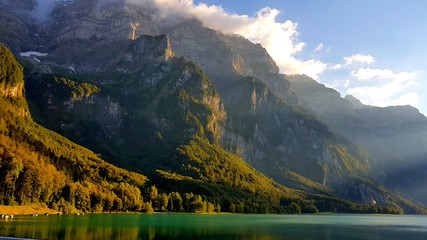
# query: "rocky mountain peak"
157,48
356,103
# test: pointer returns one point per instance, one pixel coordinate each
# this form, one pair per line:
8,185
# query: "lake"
216,226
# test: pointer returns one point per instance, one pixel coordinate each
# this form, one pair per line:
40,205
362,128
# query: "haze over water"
227,226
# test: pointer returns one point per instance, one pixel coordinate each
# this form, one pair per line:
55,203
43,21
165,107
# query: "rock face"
206,47
99,21
274,137
15,30
147,48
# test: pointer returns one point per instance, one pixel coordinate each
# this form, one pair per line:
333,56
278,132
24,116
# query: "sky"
372,49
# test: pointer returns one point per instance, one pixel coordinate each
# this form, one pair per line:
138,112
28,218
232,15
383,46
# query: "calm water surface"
223,226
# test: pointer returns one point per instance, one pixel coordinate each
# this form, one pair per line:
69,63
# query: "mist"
43,9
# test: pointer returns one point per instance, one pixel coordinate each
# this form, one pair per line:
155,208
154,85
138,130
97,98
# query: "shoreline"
25,210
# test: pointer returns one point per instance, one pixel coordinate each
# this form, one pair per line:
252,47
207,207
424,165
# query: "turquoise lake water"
221,226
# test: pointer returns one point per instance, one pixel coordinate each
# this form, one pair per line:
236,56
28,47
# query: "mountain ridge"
394,135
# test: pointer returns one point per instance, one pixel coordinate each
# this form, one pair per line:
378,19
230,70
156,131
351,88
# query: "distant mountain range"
199,111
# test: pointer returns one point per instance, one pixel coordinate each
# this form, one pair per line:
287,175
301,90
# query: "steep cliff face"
95,20
238,55
274,137
322,101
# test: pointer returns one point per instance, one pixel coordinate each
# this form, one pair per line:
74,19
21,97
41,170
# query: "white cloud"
336,66
338,84
358,58
379,96
312,68
347,83
368,73
411,98
351,60
385,87
279,38
319,48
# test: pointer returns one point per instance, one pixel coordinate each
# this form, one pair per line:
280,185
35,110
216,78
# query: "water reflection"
186,226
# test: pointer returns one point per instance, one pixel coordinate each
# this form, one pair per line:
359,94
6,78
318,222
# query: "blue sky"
374,50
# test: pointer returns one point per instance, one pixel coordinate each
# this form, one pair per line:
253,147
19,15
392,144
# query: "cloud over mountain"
383,87
376,86
279,38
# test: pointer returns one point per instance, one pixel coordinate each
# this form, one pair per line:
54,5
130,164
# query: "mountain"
40,166
266,124
164,125
396,136
71,178
193,109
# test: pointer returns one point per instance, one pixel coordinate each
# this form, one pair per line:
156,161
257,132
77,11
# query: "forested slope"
38,166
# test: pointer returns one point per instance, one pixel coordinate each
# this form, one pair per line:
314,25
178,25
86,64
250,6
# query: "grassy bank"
25,210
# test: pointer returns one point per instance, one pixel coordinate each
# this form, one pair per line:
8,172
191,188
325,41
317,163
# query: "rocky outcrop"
12,83
11,91
150,49
11,78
